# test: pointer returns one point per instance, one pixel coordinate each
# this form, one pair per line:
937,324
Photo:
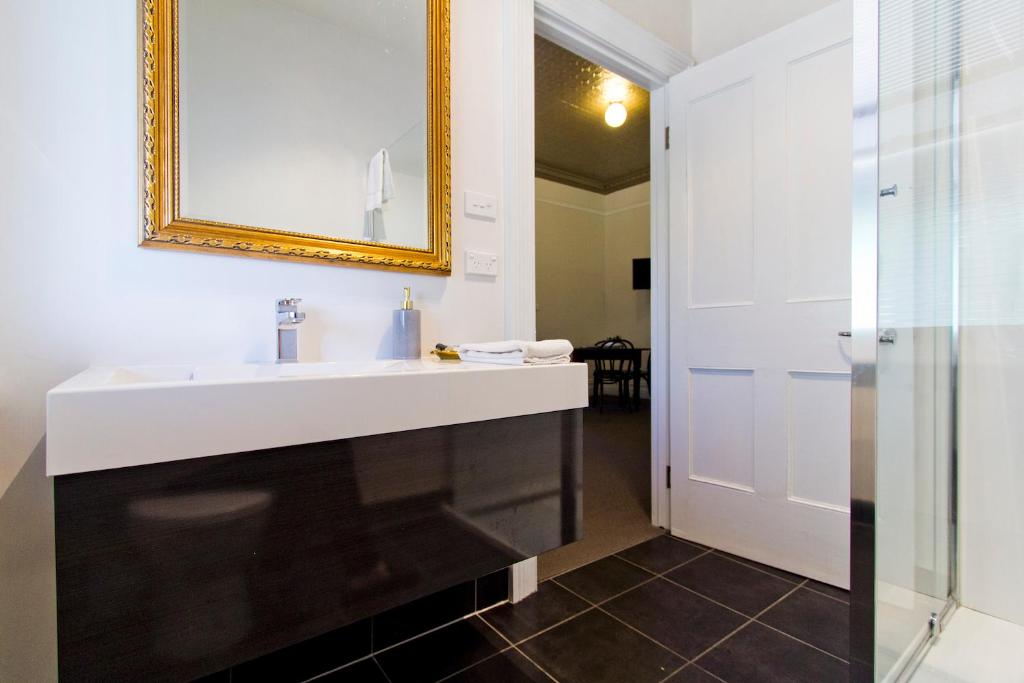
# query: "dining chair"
645,375
617,372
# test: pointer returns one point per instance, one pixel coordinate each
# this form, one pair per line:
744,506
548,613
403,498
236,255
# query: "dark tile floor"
665,610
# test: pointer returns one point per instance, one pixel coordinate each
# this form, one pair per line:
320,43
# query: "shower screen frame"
865,339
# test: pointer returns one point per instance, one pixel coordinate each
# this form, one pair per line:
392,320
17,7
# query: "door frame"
864,330
596,32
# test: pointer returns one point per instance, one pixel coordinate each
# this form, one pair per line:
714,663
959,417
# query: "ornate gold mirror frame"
162,224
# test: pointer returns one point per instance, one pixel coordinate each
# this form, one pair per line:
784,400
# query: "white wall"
79,291
720,25
586,243
667,19
706,28
991,400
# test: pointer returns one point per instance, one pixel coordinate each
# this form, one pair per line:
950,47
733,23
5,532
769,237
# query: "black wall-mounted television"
641,273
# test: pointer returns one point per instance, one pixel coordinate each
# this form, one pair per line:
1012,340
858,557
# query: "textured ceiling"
574,144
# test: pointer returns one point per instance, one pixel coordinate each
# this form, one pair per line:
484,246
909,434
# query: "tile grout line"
481,661
795,587
674,672
804,642
749,621
519,642
500,634
803,583
670,569
597,606
343,666
704,550
614,553
515,646
686,660
531,661
466,617
692,665
709,551
511,646
715,676
382,671
830,597
744,562
709,599
590,602
373,653
652,577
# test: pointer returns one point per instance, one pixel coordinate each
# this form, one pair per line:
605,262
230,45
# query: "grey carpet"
616,489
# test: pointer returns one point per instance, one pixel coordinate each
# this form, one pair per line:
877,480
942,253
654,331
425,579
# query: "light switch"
481,205
481,263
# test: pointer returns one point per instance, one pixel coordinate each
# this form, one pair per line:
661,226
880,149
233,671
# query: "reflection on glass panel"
916,308
307,116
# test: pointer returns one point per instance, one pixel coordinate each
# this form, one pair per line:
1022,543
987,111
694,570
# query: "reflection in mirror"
306,116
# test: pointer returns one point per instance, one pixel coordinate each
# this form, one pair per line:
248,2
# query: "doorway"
593,282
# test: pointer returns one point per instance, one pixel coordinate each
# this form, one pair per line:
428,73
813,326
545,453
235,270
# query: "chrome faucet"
288,318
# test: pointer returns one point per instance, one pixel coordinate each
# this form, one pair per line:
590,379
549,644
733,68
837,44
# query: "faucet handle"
288,313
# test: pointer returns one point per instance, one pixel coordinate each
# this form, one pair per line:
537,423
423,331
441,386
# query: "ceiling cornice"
597,32
583,182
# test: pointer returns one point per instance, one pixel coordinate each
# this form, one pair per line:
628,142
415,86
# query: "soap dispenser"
406,332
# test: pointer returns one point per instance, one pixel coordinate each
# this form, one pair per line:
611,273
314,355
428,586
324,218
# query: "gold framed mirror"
303,130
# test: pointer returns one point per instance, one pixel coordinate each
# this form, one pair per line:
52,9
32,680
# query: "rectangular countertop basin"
108,417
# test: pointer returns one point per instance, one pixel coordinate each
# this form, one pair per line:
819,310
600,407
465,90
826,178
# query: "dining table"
615,353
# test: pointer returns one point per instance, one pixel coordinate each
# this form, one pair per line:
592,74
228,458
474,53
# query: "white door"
760,288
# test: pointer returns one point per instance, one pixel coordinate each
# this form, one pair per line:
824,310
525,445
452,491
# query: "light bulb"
615,114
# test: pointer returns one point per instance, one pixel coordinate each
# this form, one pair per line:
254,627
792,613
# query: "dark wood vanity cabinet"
175,570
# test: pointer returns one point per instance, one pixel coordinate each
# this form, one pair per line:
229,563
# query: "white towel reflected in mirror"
380,189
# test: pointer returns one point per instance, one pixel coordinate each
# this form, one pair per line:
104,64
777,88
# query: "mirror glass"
306,116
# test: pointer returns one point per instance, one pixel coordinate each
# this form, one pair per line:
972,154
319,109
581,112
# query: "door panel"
760,286
721,262
819,157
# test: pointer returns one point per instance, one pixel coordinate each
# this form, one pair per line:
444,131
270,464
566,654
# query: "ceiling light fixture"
615,114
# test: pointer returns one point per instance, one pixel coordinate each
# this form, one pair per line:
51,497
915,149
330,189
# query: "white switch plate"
481,263
481,205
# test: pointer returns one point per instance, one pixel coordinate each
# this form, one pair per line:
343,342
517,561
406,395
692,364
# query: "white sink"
109,417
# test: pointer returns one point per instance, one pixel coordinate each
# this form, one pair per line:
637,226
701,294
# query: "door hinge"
667,137
668,476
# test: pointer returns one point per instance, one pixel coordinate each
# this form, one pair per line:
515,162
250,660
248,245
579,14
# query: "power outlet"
481,263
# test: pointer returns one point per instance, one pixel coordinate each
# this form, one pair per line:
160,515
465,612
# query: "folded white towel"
515,352
511,358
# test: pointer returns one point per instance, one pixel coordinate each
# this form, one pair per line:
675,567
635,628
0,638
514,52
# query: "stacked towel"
515,352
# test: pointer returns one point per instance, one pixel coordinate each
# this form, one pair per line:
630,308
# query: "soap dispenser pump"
406,330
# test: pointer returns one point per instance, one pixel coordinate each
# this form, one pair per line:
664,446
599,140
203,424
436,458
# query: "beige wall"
627,235
570,263
586,243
